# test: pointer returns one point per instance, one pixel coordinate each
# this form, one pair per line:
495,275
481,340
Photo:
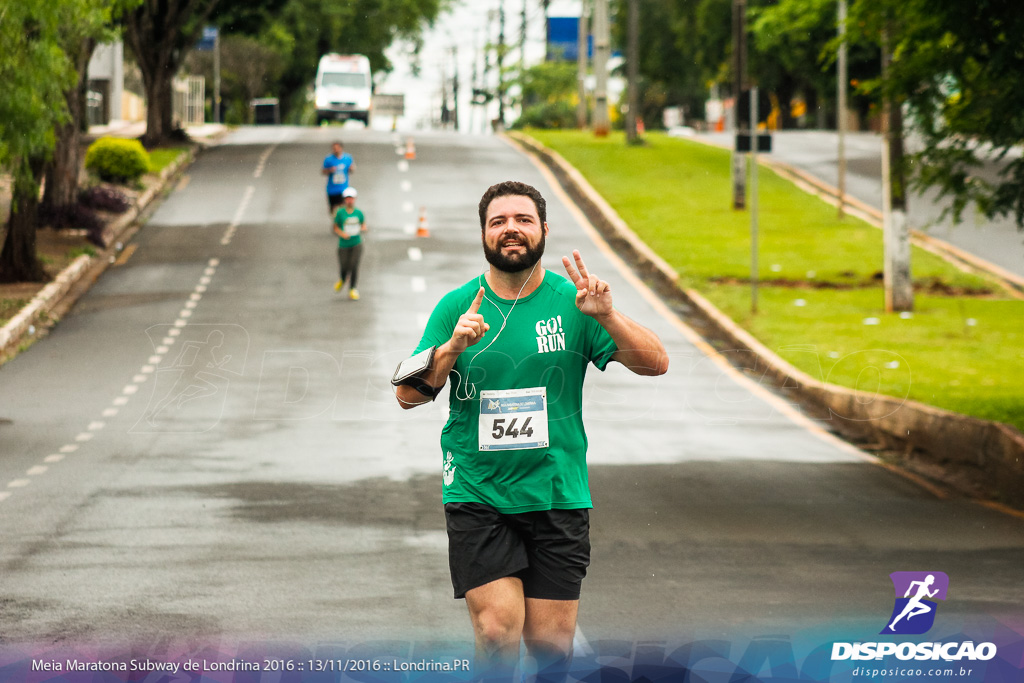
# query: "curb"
991,454
53,293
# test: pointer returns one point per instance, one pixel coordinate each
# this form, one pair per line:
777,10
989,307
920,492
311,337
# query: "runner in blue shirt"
337,167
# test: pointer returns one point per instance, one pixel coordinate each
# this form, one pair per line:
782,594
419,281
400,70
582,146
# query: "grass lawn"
162,157
962,349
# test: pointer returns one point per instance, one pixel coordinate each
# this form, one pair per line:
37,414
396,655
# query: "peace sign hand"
471,326
593,295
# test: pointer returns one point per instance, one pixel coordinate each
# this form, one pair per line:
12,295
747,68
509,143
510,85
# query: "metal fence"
189,105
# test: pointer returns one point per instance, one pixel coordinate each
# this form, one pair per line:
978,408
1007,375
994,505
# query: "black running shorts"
549,550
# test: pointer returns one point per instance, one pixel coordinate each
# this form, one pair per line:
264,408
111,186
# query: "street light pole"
633,70
842,79
602,49
581,66
739,68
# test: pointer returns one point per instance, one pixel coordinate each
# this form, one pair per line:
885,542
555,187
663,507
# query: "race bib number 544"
513,419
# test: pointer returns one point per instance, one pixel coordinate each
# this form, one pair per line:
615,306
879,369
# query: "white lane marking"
774,401
415,254
147,369
173,333
18,483
406,186
191,304
129,389
180,323
167,341
96,426
184,313
37,470
403,165
200,289
419,284
235,221
409,229
139,379
69,448
210,271
155,360
408,207
262,163
56,457
121,401
4,495
110,412
195,297
84,436
216,261
205,280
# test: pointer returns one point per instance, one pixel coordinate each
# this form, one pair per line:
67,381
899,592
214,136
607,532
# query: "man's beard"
515,263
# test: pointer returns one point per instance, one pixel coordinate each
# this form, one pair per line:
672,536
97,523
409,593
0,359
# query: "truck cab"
343,88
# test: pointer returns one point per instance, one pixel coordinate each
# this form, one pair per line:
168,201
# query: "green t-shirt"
351,224
546,344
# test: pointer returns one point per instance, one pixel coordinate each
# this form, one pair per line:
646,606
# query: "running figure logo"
190,386
914,612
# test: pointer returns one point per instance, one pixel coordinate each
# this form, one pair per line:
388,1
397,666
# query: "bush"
550,115
104,199
74,217
117,160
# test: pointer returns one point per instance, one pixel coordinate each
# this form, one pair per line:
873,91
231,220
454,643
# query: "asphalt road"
997,241
207,446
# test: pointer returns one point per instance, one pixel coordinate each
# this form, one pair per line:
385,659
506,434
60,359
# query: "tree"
959,65
35,74
160,33
85,23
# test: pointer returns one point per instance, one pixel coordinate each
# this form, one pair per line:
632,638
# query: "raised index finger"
475,306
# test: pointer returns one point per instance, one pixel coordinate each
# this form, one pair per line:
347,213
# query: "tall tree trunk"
159,103
62,173
18,259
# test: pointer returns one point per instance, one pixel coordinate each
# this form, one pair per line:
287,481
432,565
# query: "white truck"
343,88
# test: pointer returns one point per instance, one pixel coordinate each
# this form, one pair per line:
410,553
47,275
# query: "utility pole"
547,28
753,200
581,67
899,290
739,78
501,59
632,70
602,51
455,88
842,79
522,41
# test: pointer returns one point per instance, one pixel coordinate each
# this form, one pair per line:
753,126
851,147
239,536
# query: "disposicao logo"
914,612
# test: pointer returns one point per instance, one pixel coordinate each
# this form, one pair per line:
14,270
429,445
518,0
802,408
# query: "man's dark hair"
512,188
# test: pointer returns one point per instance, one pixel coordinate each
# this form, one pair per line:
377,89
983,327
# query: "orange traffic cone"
423,230
410,150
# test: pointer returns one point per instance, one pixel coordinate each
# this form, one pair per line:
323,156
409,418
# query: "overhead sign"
563,34
209,40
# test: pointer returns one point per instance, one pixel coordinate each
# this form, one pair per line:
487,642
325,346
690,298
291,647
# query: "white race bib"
513,419
339,177
352,226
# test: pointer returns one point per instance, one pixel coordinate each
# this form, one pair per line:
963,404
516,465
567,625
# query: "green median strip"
821,302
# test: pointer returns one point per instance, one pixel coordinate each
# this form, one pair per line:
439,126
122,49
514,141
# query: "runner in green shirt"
349,226
515,343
